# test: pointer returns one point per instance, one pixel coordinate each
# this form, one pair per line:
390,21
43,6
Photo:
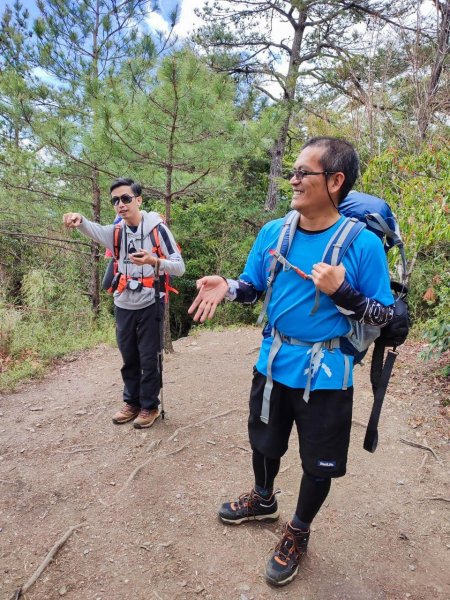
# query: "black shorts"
323,425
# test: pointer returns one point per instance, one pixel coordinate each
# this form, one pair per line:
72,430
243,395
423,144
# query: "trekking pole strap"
371,437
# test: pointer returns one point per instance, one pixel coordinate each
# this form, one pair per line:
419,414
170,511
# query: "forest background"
209,124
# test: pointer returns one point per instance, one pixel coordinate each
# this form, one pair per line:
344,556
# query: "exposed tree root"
422,446
180,429
48,559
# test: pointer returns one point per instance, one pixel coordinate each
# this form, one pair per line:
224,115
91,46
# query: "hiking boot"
127,413
282,566
249,507
146,418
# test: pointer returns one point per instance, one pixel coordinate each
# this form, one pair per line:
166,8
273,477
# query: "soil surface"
144,502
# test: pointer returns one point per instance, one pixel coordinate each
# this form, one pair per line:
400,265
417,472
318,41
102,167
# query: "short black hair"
340,156
136,187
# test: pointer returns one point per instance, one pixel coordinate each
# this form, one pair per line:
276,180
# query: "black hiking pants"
138,338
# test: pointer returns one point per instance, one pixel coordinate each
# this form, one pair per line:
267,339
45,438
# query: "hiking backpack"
112,268
361,211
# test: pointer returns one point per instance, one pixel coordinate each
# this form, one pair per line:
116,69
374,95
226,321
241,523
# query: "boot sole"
272,517
117,422
139,426
284,582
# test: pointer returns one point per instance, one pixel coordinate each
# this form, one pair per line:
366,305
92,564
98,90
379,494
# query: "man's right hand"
72,220
212,290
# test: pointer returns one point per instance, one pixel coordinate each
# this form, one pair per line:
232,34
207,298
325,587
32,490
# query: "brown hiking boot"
127,413
146,418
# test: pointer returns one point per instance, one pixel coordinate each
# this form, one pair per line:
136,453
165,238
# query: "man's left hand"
327,278
143,257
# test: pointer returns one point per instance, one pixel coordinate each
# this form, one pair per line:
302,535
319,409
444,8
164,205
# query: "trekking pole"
160,326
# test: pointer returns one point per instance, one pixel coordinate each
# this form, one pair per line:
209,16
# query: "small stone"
112,483
400,482
373,524
80,413
183,583
85,552
412,567
63,590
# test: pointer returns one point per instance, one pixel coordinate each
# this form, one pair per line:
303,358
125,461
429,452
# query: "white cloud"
188,20
157,23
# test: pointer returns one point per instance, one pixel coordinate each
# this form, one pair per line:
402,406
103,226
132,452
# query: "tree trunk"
276,166
277,150
442,50
95,254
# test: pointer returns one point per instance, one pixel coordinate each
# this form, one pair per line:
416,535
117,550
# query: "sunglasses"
299,174
125,198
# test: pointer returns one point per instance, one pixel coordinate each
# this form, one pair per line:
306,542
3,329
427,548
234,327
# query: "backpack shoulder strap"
284,242
154,238
342,240
117,240
337,247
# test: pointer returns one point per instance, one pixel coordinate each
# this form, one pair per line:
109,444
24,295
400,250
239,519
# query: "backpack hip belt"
314,365
147,282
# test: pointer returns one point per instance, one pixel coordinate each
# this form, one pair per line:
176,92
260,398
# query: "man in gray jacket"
137,328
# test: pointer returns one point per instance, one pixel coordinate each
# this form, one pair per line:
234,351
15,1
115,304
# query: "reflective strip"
346,372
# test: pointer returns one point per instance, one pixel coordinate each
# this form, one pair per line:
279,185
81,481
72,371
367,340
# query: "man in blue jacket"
359,288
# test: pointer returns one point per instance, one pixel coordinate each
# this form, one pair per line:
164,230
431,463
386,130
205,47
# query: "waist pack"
361,211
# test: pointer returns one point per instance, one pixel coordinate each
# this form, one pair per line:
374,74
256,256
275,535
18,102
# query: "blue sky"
166,7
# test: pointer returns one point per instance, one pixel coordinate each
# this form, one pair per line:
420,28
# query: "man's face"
130,212
310,191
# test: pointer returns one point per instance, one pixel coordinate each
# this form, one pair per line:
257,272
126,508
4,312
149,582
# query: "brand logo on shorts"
326,463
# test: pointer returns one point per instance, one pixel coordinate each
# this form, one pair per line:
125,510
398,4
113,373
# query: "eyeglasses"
300,173
125,198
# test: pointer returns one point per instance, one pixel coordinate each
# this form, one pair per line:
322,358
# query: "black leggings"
313,490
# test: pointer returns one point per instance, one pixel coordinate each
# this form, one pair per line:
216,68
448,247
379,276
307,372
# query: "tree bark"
94,290
277,150
442,50
276,166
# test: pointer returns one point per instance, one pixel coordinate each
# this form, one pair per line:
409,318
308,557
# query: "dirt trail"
384,533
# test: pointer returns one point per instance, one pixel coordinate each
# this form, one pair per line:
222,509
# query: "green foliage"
438,327
416,187
53,321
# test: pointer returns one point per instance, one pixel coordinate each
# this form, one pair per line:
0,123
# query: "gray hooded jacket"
172,265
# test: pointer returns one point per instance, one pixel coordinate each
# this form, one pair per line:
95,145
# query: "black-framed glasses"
300,173
126,199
